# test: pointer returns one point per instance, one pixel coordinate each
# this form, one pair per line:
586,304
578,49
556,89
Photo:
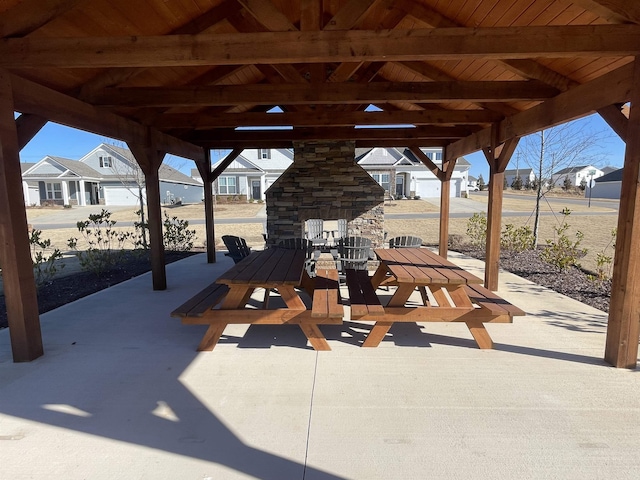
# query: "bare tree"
565,146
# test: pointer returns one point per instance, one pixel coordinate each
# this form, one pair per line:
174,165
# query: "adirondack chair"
341,232
353,253
405,241
315,233
237,247
302,244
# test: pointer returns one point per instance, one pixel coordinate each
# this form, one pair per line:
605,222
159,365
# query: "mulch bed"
573,282
66,289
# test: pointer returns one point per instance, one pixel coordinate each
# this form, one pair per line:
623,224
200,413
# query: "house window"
382,179
438,156
105,162
227,186
265,153
54,191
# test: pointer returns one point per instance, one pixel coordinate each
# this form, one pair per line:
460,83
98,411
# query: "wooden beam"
611,88
489,43
207,138
350,15
28,126
235,153
29,15
624,309
17,268
226,144
420,155
617,120
329,93
325,119
29,97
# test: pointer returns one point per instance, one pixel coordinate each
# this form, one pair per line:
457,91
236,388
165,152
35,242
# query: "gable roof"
518,171
571,170
615,176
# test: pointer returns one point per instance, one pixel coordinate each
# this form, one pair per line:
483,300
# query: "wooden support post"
498,158
17,268
445,192
204,167
445,201
621,348
150,159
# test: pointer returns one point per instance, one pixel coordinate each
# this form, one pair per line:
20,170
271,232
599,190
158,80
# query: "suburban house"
526,174
607,186
251,174
403,175
576,175
397,170
108,175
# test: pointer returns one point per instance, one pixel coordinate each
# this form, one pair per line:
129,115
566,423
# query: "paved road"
459,208
595,202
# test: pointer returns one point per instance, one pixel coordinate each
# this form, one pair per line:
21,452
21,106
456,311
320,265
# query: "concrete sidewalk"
121,393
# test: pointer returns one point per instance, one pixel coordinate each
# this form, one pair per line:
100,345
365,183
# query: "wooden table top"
270,267
420,266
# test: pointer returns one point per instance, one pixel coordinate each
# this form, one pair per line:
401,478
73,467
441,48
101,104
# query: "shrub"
44,266
517,183
604,262
477,229
104,244
562,252
516,239
177,235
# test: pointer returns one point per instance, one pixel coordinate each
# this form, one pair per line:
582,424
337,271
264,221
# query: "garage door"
119,196
428,187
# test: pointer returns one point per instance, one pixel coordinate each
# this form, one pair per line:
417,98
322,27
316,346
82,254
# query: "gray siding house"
108,175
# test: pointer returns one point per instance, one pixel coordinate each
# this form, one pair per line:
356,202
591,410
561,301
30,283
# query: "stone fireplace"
325,182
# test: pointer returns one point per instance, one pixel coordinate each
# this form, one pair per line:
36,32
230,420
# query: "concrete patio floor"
122,393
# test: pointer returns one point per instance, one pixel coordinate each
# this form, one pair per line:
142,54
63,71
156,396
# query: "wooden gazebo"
179,77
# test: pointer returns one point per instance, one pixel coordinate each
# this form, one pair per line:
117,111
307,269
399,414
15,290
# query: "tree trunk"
536,222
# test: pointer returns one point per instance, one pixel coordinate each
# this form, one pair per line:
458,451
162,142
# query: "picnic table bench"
225,301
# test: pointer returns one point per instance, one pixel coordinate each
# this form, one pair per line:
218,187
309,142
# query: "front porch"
122,392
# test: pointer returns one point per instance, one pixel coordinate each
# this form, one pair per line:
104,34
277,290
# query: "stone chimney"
325,182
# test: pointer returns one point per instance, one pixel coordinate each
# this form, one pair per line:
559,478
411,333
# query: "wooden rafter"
29,15
318,119
29,97
614,11
609,89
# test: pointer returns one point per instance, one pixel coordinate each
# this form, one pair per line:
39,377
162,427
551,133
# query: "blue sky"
60,141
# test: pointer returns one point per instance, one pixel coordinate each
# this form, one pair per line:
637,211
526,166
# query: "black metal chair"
353,253
405,241
302,244
236,246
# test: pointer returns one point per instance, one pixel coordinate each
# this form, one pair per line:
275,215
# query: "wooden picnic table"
275,270
448,293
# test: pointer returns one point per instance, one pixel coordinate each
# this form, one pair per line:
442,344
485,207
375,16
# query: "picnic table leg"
480,334
379,275
211,337
376,334
291,298
401,295
315,336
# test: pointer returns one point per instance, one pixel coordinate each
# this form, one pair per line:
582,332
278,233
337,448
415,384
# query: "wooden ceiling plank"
29,97
310,15
323,46
226,144
328,93
609,89
614,11
29,15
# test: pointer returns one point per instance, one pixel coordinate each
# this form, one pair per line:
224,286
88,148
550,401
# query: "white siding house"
576,175
607,186
526,174
397,170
